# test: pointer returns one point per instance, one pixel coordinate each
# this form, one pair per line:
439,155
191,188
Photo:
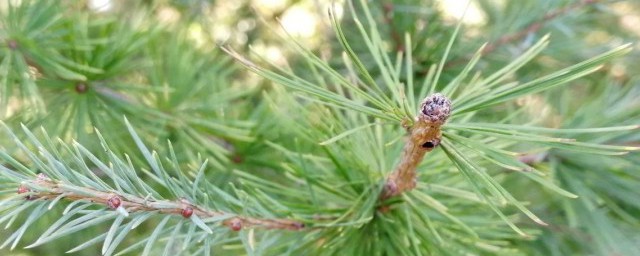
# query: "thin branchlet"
44,188
424,136
530,29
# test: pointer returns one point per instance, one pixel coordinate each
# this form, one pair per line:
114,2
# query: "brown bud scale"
187,212
235,224
114,202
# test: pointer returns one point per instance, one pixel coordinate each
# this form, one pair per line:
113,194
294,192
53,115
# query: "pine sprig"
601,182
467,97
30,35
110,66
116,193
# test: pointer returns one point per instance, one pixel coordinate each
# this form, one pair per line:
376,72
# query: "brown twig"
424,136
44,188
532,28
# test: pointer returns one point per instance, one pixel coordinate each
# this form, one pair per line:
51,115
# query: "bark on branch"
44,188
424,136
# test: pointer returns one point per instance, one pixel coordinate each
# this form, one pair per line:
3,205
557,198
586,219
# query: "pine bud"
81,87
235,224
23,189
435,108
114,202
187,212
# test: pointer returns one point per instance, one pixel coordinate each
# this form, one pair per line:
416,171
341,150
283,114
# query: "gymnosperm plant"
369,156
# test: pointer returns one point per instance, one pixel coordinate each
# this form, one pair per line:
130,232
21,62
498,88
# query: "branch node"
187,212
114,202
235,224
424,136
125,203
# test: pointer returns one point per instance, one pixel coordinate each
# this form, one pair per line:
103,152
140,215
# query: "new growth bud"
235,224
435,109
424,136
114,202
187,212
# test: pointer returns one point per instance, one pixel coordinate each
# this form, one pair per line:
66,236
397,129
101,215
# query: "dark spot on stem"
431,144
298,225
428,144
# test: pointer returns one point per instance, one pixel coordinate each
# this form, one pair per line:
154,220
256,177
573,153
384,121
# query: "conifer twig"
44,188
424,136
531,28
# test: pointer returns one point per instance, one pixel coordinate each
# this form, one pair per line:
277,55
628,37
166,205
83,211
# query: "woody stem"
424,136
44,188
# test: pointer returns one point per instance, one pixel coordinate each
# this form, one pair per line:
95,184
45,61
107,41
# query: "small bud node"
187,212
435,108
114,202
235,224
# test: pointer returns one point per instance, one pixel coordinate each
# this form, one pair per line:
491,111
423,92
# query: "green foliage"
66,163
533,160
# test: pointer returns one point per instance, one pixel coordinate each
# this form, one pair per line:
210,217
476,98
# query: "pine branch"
424,136
44,188
468,97
64,175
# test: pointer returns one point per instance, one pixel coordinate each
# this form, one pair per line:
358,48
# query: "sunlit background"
308,21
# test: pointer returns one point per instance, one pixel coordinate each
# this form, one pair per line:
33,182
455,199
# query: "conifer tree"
397,128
